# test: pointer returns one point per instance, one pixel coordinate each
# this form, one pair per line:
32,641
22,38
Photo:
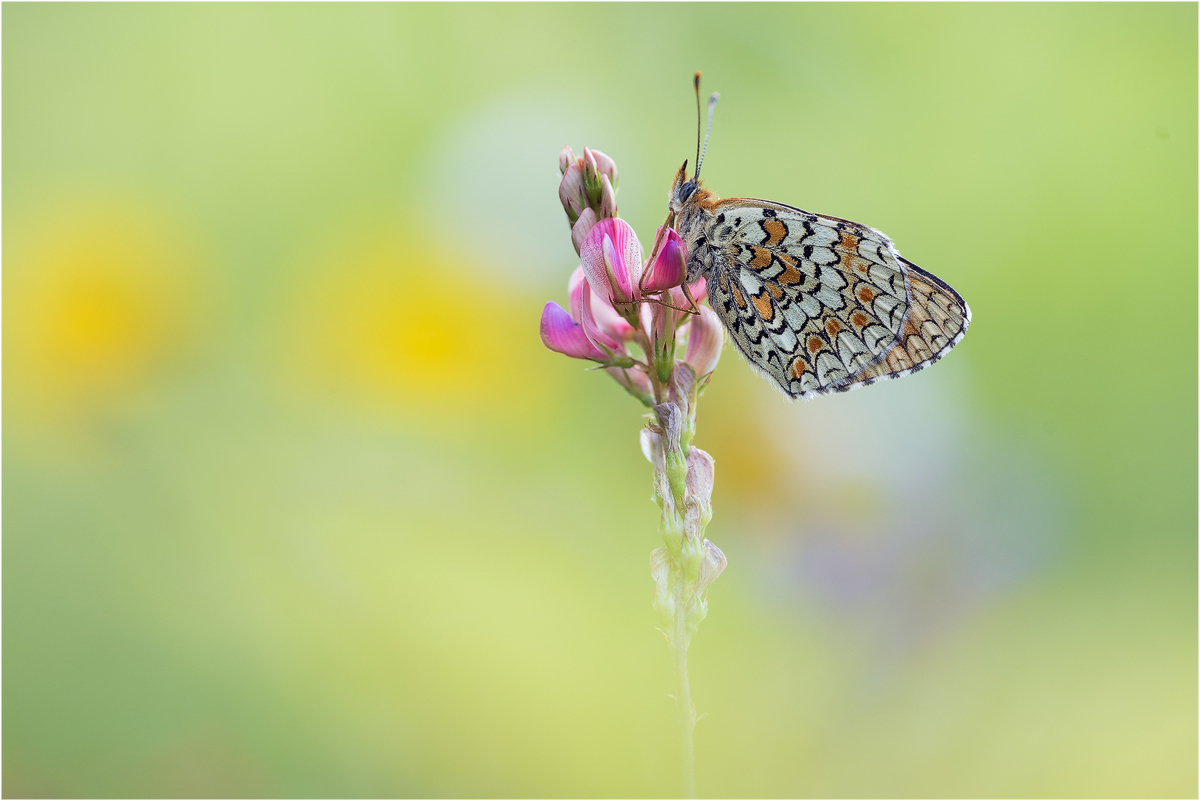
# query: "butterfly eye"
686,191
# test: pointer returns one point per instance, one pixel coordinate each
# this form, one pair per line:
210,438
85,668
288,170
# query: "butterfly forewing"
821,304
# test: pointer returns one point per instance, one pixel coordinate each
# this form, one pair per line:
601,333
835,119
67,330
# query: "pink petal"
670,265
563,335
705,341
624,258
609,321
699,292
570,192
587,321
604,315
575,288
566,157
582,227
605,166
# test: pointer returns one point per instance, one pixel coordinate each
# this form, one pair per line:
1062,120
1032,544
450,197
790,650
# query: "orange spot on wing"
775,291
866,294
790,274
814,344
849,242
724,281
909,329
833,326
798,367
763,304
859,319
762,257
737,297
775,230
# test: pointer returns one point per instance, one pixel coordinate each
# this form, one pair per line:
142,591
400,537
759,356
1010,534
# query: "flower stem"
687,713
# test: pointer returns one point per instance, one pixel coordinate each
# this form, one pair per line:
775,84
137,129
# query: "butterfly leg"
688,294
693,310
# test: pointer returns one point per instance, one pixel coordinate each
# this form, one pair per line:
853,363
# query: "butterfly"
815,303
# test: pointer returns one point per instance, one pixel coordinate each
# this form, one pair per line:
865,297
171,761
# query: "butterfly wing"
820,304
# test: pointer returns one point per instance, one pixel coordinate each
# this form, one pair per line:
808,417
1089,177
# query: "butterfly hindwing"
820,304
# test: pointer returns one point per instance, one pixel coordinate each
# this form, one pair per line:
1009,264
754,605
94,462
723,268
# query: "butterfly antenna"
696,85
712,104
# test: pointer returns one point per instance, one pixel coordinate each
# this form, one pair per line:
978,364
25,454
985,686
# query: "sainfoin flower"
612,261
627,317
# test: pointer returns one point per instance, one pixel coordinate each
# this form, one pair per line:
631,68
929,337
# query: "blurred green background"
297,504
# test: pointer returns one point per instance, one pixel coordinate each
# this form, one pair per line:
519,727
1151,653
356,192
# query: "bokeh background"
296,504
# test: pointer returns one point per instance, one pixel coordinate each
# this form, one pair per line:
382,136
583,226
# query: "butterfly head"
683,190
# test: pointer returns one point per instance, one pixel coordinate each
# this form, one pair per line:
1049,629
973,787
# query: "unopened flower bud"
670,265
608,198
606,166
705,341
582,227
571,193
591,179
662,335
566,158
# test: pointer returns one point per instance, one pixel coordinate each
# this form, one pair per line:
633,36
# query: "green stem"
687,713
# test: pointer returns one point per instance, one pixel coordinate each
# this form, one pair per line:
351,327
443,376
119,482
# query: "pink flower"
570,192
606,317
601,164
566,157
608,198
581,312
563,335
612,261
705,341
670,265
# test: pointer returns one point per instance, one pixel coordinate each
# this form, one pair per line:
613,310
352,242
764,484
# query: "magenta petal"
670,265
624,258
576,286
591,330
563,335
609,321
